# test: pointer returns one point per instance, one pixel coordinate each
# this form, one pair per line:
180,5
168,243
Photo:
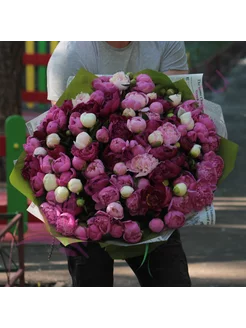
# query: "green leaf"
158,78
228,151
145,255
81,83
182,86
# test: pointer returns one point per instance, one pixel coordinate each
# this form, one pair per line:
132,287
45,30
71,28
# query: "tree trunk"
11,74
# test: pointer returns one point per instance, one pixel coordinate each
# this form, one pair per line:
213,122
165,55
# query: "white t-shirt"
99,57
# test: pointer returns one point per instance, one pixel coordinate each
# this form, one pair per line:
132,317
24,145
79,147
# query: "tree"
11,74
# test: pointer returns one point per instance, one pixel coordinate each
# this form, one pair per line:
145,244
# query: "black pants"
167,265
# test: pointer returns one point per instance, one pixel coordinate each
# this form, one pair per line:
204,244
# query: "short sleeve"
63,63
174,57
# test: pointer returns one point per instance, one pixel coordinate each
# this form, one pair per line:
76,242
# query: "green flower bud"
130,74
170,92
180,189
165,183
80,202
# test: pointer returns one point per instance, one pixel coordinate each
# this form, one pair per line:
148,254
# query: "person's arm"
63,63
174,59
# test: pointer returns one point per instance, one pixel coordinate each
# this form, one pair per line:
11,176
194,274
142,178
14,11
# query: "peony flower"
66,224
180,189
156,225
200,194
94,169
51,212
78,163
132,232
136,203
136,124
102,135
216,161
164,171
81,233
117,145
61,164
121,181
212,144
120,80
170,133
120,168
155,139
88,120
31,145
61,194
75,125
142,164
37,184
181,204
143,183
52,127
82,140
206,171
129,112
50,197
187,178
39,151
126,191
45,164
50,182
96,184
117,229
158,197
71,205
156,107
81,98
102,220
115,210
52,140
164,152
195,151
144,83
135,100
187,120
175,99
152,95
106,196
118,128
75,185
174,219
88,153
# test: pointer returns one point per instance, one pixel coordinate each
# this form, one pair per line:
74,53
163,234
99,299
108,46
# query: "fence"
35,59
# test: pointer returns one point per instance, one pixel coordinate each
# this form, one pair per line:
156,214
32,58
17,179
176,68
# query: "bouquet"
121,160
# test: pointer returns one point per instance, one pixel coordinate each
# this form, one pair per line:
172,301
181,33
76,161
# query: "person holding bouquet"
167,263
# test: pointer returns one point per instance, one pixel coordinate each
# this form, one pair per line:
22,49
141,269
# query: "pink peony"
121,181
118,128
52,127
136,124
181,204
94,233
78,163
132,232
202,132
102,220
143,183
206,171
164,152
164,171
66,224
117,229
216,161
212,144
61,164
120,168
45,164
135,100
96,184
170,133
51,212
156,107
70,206
208,122
102,135
75,125
115,210
156,225
106,196
142,164
187,178
81,233
94,169
37,184
174,219
144,83
200,194
89,153
136,203
31,145
117,145
65,177
50,197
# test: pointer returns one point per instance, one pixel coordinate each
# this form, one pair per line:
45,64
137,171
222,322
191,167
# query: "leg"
167,264
96,270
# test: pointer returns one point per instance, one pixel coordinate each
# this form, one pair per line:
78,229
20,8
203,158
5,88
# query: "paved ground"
216,254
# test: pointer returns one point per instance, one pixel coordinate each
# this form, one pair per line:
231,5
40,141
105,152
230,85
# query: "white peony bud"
180,189
195,150
61,194
88,120
75,185
176,99
52,140
126,191
187,120
152,95
82,140
39,151
129,112
120,80
81,98
155,139
49,182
